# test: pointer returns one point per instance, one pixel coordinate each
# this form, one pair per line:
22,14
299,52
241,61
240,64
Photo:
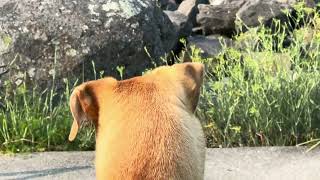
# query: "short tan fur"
146,127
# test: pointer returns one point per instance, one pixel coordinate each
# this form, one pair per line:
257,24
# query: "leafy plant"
260,92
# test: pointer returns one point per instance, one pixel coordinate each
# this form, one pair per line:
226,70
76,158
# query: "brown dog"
146,127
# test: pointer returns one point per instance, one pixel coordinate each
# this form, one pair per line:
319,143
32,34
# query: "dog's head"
182,81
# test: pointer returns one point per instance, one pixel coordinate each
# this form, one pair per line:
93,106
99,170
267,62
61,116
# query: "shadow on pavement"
41,173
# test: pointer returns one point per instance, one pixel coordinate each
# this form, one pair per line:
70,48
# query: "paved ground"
275,163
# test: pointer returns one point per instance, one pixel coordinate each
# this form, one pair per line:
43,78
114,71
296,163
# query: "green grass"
30,122
33,120
256,93
264,94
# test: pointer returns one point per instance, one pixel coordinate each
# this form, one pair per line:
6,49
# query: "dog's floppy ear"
77,114
194,73
83,107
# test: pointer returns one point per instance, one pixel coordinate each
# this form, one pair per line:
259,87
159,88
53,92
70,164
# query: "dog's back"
146,127
151,137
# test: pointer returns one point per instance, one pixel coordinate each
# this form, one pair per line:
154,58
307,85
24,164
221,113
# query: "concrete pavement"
263,163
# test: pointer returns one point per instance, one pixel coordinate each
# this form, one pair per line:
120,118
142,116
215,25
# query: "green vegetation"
30,122
259,91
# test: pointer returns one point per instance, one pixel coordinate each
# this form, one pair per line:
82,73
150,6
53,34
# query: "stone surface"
169,5
278,163
179,1
189,8
218,19
263,163
309,3
182,24
256,12
217,2
211,46
42,39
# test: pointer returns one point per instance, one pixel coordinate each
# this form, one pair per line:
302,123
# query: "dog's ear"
194,73
83,107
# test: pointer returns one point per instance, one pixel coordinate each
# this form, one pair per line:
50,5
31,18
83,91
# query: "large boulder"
183,28
210,46
182,24
41,39
219,16
309,3
189,8
169,5
255,12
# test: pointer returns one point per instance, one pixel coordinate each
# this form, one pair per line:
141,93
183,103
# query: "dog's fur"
146,127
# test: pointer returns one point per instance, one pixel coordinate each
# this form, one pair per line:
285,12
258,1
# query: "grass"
33,120
265,93
30,123
259,92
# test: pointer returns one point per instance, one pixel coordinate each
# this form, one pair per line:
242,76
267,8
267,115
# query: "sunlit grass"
260,93
257,92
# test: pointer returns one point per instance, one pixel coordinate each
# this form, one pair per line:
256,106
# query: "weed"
30,121
262,93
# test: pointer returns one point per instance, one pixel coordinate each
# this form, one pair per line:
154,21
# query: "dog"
145,126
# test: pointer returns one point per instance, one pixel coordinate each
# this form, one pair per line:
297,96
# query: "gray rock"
179,1
220,15
3,70
220,2
216,2
211,46
182,24
42,39
254,12
218,19
189,8
170,5
308,3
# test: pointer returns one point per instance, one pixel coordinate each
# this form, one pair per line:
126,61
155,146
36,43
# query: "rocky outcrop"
45,39
220,16
254,13
182,24
223,17
218,19
190,8
170,5
210,46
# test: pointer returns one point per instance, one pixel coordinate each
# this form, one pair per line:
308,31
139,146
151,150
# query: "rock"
254,11
3,70
308,3
42,39
218,19
170,5
182,24
220,15
183,28
220,2
189,8
287,1
211,46
179,1
216,2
